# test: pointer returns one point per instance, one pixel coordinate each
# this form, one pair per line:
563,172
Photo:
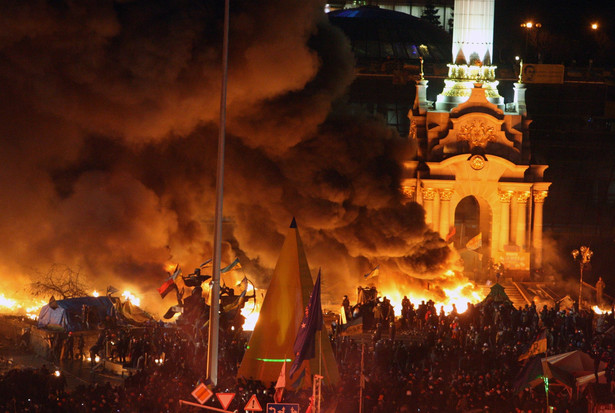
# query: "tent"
573,370
281,314
67,314
497,294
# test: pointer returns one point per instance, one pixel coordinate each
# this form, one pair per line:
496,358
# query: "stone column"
505,197
429,194
522,198
539,200
445,211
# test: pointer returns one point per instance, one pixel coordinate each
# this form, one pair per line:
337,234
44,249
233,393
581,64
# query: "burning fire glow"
251,314
29,308
251,310
450,291
128,296
7,302
598,310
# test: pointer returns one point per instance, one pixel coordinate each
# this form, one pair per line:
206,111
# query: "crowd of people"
466,362
422,360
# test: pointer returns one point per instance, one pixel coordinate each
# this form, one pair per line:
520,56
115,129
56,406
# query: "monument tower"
473,172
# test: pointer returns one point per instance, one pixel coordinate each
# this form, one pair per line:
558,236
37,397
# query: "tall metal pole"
581,285
585,255
214,310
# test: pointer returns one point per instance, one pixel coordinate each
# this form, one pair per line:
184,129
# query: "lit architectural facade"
472,172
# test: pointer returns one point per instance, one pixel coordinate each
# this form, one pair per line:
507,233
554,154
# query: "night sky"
109,121
565,35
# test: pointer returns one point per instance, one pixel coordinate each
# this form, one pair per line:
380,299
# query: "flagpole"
214,309
320,357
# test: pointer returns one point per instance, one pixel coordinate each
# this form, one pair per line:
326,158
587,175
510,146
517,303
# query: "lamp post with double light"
529,26
584,255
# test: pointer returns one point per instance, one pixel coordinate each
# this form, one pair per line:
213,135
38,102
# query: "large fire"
251,313
251,310
30,307
452,290
23,307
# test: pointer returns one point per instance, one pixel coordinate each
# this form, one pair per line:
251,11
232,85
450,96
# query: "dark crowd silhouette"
421,360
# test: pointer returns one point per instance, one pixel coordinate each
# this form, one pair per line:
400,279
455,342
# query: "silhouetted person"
599,290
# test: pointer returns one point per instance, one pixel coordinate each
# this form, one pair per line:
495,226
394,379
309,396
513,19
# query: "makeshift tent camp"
281,314
67,314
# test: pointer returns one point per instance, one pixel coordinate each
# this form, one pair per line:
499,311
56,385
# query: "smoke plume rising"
109,136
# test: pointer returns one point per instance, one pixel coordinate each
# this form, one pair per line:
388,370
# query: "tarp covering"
68,313
134,314
574,368
281,314
576,362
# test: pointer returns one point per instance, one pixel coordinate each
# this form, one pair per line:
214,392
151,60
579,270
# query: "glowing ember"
128,296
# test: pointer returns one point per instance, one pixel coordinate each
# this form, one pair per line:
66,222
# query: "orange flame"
28,307
128,296
598,310
451,290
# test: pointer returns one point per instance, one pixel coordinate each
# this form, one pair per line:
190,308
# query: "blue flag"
305,343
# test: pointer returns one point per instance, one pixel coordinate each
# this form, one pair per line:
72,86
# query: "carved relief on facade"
446,194
505,196
429,194
408,191
476,133
413,130
522,196
477,162
539,196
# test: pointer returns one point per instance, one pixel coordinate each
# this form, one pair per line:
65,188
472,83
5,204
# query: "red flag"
280,385
167,287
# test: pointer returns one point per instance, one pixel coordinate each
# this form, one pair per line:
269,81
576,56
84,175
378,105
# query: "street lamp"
584,255
594,26
528,26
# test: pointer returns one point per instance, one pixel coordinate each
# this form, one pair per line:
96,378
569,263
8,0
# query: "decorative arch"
473,225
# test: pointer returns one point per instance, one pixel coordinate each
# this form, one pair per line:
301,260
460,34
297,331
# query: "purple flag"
305,343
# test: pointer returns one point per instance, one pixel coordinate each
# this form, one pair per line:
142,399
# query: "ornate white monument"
472,172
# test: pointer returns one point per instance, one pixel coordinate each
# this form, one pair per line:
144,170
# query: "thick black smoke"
108,126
